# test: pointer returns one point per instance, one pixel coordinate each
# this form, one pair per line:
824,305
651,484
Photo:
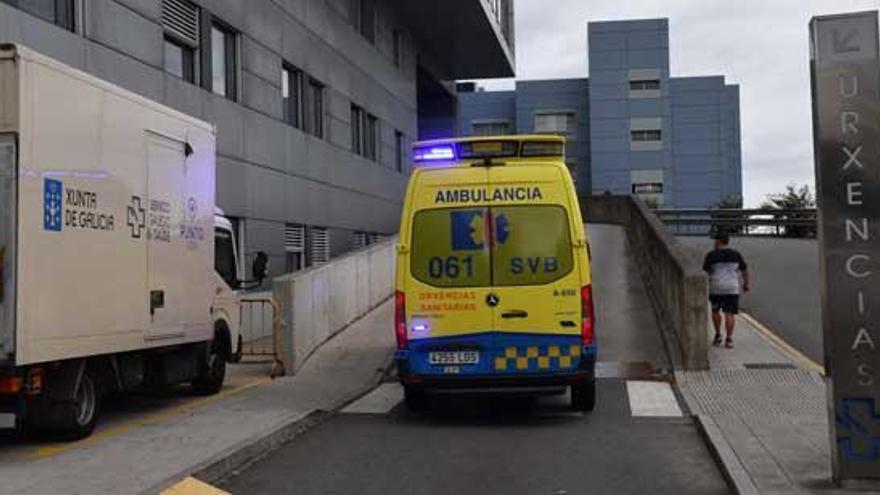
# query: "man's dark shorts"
729,303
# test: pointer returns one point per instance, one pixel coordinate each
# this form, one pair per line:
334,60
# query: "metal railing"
262,332
753,222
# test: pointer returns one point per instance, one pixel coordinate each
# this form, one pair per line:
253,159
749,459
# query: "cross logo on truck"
137,217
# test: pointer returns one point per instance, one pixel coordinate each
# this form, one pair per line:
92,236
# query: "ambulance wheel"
583,397
77,418
414,397
212,369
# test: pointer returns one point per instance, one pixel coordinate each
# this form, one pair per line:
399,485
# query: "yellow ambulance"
493,272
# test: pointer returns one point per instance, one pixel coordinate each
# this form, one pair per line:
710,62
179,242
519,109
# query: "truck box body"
106,227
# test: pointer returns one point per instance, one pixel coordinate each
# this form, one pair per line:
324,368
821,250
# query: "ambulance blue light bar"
434,153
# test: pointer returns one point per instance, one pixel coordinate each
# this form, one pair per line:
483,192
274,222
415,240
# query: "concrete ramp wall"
319,302
676,283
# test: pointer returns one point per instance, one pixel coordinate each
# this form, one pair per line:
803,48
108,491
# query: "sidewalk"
763,409
216,435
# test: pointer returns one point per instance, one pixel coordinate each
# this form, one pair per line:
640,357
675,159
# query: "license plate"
454,357
7,421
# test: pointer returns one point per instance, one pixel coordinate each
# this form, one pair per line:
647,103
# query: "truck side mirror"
260,267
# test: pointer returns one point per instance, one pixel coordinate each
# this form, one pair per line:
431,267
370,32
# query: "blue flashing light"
434,153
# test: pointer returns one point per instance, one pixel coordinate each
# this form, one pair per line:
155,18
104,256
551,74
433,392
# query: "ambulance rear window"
498,246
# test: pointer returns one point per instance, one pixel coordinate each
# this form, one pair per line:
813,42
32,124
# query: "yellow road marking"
192,486
149,419
795,354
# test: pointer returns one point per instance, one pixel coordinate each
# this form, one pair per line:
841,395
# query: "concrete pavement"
762,407
215,435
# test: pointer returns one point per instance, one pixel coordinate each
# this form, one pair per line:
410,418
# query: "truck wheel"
583,397
414,397
212,369
79,417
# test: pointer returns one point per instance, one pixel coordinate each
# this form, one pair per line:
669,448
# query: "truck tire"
77,418
583,396
212,368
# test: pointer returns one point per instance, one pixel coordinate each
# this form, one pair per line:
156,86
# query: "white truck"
116,272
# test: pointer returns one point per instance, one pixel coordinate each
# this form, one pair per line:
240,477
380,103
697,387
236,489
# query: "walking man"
728,274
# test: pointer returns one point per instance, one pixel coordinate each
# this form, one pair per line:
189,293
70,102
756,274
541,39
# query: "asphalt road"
487,445
785,287
467,445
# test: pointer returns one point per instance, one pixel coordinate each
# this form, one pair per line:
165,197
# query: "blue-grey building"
630,127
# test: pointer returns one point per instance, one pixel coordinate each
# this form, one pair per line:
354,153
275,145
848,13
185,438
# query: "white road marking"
380,401
652,399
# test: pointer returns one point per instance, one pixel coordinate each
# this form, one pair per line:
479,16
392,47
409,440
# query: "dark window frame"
293,103
63,15
399,151
314,107
357,123
646,135
644,85
230,52
397,47
188,62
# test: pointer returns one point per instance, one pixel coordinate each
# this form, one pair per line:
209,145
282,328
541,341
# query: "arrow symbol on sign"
845,44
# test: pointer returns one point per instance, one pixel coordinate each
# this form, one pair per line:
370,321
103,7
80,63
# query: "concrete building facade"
631,127
315,101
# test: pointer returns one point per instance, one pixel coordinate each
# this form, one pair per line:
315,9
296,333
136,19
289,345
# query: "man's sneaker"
717,341
728,343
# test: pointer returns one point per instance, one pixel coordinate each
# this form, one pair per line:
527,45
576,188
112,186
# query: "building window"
364,133
291,93
493,128
397,47
180,60
314,108
363,16
554,123
645,85
223,61
58,12
180,21
646,135
357,119
399,150
371,134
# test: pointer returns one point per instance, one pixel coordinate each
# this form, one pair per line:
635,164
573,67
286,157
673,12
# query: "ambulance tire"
583,397
212,368
415,398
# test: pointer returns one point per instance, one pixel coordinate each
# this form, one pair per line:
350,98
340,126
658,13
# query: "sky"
762,45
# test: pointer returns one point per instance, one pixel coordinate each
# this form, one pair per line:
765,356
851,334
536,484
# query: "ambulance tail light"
588,316
400,320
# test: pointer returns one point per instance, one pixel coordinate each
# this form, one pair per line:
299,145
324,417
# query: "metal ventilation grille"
294,238
320,245
360,240
181,18
374,238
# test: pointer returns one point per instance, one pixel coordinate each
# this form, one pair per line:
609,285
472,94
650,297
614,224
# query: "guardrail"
755,222
677,286
262,331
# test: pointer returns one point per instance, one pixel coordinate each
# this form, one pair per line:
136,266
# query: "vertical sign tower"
846,128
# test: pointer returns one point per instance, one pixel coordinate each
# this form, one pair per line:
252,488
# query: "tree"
726,220
796,201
